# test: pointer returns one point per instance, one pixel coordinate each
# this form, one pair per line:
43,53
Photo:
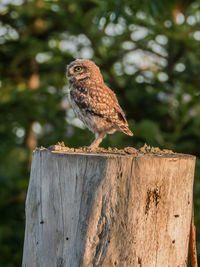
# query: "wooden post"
108,210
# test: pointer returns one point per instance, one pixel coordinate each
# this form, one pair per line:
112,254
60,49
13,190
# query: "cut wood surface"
88,209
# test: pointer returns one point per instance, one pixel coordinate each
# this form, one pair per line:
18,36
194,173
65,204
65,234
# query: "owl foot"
97,141
84,148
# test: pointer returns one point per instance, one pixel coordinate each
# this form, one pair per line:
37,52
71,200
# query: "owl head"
83,69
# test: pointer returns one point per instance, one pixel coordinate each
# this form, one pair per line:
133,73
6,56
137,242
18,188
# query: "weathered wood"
193,250
108,210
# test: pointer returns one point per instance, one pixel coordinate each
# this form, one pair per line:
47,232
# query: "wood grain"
108,210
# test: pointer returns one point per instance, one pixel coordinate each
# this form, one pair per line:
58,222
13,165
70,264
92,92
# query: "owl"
93,102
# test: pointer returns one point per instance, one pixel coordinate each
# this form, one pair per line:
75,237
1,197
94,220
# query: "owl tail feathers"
126,130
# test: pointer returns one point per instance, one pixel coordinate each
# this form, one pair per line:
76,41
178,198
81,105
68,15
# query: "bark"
193,250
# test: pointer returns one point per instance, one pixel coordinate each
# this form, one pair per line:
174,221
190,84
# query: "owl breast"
81,103
86,118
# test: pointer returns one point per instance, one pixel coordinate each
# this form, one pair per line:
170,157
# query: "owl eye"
78,69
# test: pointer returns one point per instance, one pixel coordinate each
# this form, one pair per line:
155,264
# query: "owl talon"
84,148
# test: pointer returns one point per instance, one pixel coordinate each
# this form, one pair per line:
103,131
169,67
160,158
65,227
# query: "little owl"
93,102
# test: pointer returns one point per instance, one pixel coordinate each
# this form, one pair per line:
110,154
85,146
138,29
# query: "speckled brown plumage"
93,102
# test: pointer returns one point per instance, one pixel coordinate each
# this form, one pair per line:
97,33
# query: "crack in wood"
152,196
140,261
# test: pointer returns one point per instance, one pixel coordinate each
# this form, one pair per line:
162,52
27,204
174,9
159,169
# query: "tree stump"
87,209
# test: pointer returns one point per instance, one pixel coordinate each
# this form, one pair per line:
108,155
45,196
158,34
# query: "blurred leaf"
149,131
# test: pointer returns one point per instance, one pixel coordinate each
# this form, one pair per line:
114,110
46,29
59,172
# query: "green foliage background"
149,53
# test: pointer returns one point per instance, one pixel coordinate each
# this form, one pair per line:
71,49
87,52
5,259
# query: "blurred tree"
149,54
